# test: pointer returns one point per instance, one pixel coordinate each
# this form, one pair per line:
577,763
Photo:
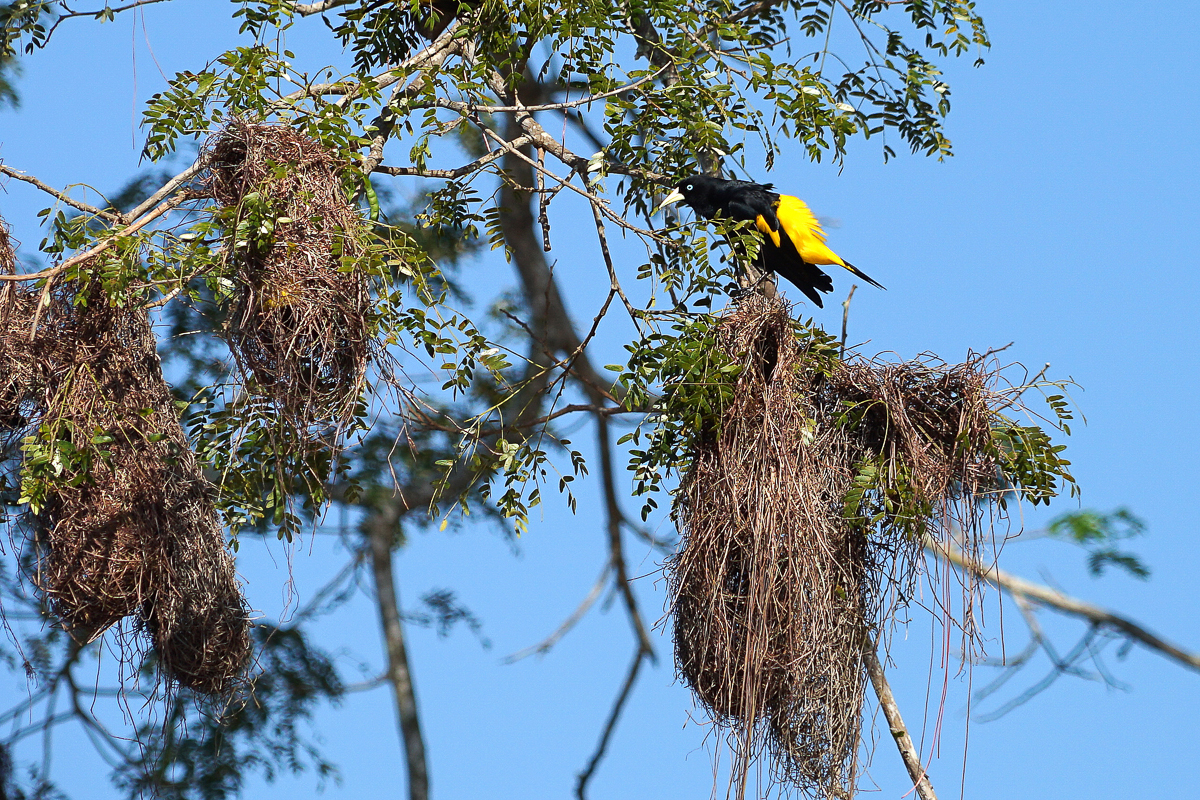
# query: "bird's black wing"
746,200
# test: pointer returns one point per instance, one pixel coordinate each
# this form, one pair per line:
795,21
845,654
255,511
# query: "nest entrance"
802,518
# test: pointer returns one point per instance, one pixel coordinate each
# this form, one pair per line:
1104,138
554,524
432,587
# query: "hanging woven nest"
299,313
802,516
122,518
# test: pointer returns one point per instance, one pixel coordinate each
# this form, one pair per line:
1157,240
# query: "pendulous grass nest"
299,318
121,517
803,509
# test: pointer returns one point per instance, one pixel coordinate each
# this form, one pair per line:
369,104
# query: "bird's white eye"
688,188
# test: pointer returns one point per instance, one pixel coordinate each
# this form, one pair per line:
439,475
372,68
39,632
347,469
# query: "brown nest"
125,523
8,260
299,318
11,419
784,567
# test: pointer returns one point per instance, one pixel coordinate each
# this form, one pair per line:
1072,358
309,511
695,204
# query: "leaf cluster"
1098,533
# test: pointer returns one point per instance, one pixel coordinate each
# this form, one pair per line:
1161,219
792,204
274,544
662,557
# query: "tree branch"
308,9
610,726
616,549
891,711
174,183
457,172
113,217
1098,616
543,647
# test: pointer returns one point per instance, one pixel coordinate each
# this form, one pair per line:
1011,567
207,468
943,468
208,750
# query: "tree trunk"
380,539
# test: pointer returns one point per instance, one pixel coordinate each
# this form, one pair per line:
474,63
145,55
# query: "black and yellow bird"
793,243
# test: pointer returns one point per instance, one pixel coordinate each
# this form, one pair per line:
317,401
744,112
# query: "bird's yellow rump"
798,222
802,228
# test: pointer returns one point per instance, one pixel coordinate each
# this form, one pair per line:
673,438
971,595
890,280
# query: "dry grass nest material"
299,318
126,525
776,584
8,259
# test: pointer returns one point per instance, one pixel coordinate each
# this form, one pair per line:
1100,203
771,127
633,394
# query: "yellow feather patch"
765,227
805,232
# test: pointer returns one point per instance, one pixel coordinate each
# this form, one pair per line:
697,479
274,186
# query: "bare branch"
349,90
433,56
174,183
544,141
846,315
455,105
67,14
610,726
616,549
565,183
64,197
543,647
523,425
891,711
117,10
308,9
1098,616
457,172
543,199
614,284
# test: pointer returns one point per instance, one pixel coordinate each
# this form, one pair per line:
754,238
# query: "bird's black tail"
864,275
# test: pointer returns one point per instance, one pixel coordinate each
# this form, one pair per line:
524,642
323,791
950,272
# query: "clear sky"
1068,224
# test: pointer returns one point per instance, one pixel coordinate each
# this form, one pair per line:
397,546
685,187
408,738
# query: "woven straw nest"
299,319
778,580
127,526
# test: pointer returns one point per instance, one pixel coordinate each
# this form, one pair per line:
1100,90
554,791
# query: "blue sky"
1066,224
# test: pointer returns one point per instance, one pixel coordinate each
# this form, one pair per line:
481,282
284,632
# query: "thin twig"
1012,401
568,158
610,726
608,263
543,199
457,172
473,108
543,647
64,197
68,14
846,316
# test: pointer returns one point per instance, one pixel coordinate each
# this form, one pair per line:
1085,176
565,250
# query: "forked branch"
1098,616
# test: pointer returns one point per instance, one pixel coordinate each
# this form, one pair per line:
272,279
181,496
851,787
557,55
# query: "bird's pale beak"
674,197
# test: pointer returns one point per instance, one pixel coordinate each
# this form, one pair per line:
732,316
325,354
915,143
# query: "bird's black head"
702,192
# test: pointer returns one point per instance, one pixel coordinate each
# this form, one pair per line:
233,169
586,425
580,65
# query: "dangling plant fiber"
300,307
120,514
12,302
806,496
